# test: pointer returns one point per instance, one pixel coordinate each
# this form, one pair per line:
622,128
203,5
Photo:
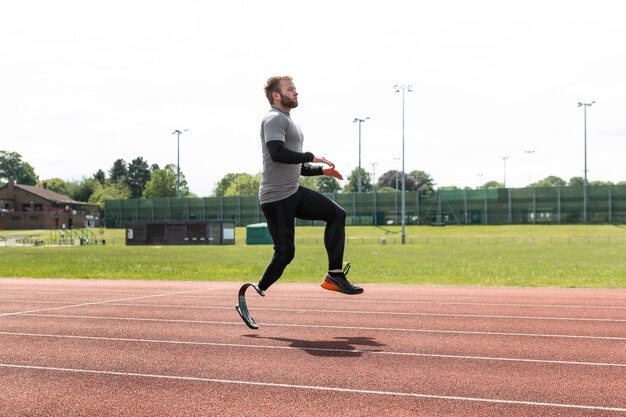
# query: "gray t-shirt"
279,180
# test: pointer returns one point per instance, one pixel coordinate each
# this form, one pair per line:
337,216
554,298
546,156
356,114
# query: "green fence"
604,204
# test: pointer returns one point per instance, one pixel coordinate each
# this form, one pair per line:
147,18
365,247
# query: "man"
283,200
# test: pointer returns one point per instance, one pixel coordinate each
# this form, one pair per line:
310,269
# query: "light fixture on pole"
178,133
359,181
530,166
585,105
585,182
504,158
397,89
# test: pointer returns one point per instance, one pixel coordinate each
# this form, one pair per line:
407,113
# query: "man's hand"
321,159
332,172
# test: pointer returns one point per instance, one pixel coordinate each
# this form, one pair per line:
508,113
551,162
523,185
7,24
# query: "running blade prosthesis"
242,308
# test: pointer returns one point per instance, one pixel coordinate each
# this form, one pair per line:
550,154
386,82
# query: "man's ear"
275,96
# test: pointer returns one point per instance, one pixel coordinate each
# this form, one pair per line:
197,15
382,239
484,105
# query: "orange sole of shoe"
330,286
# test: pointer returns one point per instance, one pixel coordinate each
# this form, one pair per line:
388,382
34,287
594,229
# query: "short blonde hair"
273,86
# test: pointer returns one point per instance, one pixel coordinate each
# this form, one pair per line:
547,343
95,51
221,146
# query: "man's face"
288,94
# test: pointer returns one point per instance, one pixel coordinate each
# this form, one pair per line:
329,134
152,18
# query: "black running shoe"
340,283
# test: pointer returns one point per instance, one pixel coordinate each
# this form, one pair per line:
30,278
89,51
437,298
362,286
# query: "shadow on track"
338,347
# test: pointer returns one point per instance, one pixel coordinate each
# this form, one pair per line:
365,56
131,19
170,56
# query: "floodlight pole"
504,158
178,133
359,182
374,174
585,182
397,89
530,166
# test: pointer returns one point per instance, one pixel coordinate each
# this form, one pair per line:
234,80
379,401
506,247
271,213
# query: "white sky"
83,83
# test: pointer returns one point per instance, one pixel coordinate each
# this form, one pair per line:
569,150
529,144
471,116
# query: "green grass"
547,256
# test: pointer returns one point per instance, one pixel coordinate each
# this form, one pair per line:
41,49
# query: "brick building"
24,207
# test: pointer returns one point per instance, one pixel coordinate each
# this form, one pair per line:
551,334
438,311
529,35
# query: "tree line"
136,179
139,179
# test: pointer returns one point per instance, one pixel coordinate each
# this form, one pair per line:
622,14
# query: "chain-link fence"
595,204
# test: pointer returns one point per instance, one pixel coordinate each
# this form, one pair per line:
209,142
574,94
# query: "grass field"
556,256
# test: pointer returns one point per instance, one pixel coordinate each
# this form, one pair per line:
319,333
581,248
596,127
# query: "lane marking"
312,387
313,349
352,301
104,302
315,326
301,310
465,294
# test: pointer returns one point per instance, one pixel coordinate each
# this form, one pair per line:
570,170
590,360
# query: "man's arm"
280,153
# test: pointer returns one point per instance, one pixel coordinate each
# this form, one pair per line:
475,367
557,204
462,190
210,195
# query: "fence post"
375,208
510,209
534,206
558,205
465,207
486,217
610,204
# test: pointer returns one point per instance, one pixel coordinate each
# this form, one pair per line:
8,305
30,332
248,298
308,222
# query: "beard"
287,102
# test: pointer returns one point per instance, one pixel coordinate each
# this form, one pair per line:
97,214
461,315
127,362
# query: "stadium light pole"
359,181
397,89
530,165
585,182
178,133
374,174
504,158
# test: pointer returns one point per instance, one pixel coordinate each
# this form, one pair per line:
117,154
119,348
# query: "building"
24,207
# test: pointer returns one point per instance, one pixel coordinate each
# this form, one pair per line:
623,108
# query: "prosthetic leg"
242,308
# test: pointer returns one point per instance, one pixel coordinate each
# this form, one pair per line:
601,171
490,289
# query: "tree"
393,179
576,182
54,184
118,171
137,177
163,183
11,165
424,182
223,184
353,181
600,183
550,181
83,189
328,185
100,176
312,182
244,184
390,179
108,192
492,184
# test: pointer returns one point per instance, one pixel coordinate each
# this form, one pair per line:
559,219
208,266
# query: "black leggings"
307,205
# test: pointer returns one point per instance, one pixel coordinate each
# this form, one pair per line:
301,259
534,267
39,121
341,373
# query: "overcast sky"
84,83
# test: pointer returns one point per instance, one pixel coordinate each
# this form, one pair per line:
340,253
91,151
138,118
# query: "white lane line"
104,302
313,349
313,387
316,326
391,302
235,286
382,313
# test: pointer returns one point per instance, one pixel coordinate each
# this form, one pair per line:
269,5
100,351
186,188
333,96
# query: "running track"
151,348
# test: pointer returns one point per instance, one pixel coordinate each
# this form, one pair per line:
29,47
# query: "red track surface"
143,348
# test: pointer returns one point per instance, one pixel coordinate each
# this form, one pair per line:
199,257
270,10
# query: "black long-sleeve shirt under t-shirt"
280,153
